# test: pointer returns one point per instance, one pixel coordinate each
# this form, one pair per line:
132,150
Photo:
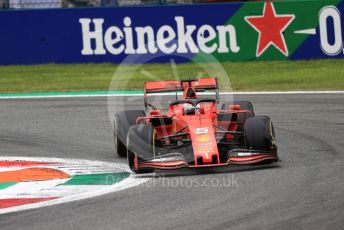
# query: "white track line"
283,92
162,94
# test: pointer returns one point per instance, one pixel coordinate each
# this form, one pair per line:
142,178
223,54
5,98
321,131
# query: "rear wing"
179,86
173,86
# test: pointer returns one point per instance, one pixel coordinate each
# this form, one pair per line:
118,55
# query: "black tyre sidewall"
259,133
140,144
122,122
244,105
120,148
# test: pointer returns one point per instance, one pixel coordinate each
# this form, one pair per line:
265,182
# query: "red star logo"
270,27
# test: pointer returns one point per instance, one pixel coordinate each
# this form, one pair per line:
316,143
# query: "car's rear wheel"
259,133
122,122
244,105
241,118
140,145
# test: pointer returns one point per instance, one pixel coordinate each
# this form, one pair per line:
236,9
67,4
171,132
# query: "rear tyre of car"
122,122
140,145
259,133
244,105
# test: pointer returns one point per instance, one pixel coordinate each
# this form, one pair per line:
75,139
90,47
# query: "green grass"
244,76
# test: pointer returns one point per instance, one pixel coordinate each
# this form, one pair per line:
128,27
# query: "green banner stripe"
247,36
6,185
97,179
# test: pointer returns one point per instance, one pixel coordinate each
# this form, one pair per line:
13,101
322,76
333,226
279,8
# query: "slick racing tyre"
244,105
259,133
122,122
140,145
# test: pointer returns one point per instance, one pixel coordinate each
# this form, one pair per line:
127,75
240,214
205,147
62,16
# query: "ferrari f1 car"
194,132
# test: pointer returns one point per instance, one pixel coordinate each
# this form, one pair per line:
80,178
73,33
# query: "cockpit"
193,106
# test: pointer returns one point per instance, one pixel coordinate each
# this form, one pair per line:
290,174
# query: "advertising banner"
230,32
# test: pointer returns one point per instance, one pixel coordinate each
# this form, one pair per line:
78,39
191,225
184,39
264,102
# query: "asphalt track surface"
304,191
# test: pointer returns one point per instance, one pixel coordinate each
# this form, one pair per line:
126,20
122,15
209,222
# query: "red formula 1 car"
193,133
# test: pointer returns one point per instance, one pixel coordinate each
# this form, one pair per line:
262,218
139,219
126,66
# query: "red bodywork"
202,127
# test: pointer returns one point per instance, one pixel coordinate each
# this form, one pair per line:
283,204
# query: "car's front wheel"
122,122
259,133
140,145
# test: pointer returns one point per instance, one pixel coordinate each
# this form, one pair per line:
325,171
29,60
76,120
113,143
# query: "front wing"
234,157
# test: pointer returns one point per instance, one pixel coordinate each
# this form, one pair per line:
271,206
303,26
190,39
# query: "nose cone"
203,141
207,158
